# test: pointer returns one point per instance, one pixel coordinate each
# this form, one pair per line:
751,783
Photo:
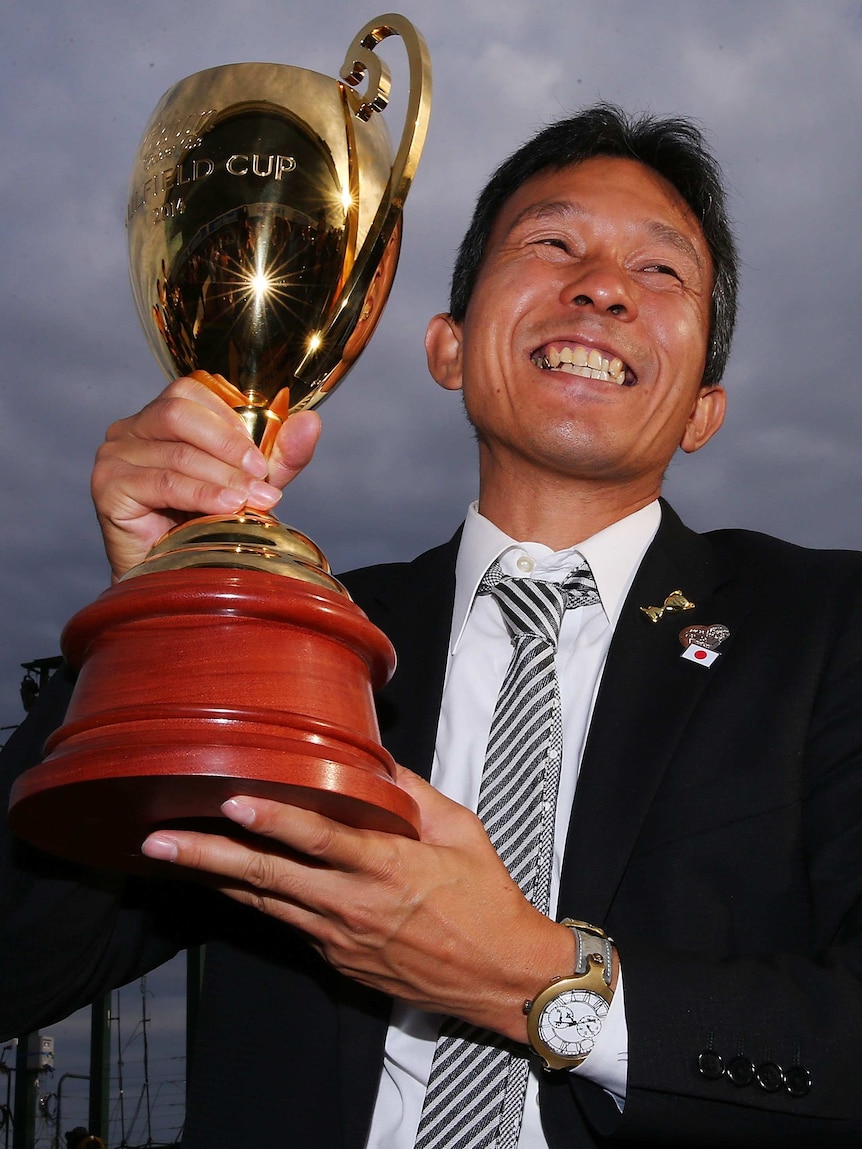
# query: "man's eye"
553,241
664,269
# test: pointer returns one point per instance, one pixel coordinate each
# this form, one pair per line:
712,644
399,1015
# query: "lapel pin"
701,641
675,601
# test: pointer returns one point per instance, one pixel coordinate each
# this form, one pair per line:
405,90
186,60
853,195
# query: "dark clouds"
778,85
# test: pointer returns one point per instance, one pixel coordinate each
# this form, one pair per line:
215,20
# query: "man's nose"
603,286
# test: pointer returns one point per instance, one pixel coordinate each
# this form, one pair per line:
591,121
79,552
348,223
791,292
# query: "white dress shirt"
479,653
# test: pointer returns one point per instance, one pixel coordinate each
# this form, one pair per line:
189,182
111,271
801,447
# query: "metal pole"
194,978
24,1128
100,1065
7,1107
80,1077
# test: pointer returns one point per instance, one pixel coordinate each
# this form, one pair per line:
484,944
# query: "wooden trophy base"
198,685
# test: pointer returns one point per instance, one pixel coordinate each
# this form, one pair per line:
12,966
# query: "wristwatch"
564,1020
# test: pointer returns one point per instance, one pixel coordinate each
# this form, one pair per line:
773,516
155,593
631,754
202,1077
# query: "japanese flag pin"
700,642
700,654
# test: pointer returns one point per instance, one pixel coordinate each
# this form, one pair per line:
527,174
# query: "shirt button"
525,564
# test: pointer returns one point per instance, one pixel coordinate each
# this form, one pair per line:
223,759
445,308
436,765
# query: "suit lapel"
413,606
645,700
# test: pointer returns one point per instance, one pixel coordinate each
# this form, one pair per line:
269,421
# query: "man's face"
583,347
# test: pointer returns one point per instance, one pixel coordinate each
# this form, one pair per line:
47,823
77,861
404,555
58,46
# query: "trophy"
264,225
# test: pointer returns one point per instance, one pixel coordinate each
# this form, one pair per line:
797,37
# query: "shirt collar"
614,555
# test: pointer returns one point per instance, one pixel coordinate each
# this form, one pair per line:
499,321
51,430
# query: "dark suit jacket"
716,832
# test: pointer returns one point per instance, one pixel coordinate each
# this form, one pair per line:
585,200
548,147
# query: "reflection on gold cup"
264,225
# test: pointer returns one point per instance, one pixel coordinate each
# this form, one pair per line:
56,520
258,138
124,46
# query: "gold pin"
675,601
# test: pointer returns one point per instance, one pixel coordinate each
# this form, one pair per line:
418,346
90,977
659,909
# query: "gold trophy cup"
264,226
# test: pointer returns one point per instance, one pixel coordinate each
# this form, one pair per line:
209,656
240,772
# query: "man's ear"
705,418
443,349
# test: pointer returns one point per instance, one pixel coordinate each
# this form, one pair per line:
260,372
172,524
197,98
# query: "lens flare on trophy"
261,284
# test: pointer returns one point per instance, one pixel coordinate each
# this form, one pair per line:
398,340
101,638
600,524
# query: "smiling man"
623,723
581,353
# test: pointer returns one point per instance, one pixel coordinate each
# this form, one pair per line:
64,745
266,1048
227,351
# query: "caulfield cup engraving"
162,140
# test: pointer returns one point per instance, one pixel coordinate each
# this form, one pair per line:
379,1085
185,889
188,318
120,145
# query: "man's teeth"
588,363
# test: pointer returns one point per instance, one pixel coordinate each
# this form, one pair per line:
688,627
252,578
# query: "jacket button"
740,1071
710,1065
770,1077
797,1081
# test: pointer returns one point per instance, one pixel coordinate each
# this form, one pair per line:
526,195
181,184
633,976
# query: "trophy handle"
328,349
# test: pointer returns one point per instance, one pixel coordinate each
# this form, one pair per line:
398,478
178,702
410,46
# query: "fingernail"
239,812
254,464
230,500
162,849
263,494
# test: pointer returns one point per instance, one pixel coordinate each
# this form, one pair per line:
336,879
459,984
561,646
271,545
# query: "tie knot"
531,606
536,606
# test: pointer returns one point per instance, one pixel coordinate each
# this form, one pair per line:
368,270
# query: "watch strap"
591,940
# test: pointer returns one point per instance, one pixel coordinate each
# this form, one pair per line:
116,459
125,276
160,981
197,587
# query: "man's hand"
187,453
438,923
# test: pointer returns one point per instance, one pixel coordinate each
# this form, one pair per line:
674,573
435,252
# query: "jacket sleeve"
68,933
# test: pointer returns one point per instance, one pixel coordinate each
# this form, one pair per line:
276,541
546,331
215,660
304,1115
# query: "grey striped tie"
475,1094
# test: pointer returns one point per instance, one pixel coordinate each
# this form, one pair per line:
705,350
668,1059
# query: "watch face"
570,1024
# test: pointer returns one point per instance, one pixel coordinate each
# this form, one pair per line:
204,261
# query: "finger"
146,488
443,822
136,475
330,868
302,856
294,447
187,412
266,875
293,839
185,453
252,876
353,850
317,839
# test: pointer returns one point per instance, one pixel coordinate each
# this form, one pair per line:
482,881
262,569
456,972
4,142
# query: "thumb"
293,447
443,822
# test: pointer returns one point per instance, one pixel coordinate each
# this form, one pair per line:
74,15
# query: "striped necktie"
475,1094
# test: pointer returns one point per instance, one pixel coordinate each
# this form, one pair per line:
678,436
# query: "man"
705,691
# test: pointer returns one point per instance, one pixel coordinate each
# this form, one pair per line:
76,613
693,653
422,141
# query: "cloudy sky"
776,83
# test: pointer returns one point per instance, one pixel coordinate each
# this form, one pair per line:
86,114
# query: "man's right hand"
187,453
